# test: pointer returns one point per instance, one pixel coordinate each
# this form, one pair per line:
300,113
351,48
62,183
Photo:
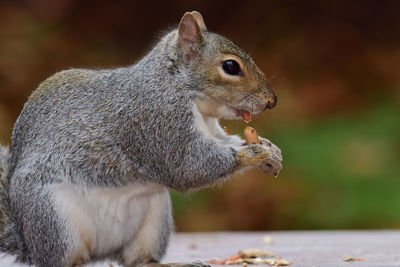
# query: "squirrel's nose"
272,103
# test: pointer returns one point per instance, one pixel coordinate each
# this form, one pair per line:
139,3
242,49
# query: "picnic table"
303,248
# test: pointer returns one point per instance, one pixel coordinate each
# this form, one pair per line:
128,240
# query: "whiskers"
272,77
251,102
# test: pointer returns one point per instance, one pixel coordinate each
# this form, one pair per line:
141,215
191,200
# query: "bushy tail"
10,239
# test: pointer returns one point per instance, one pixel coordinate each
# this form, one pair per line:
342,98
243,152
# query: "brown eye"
231,67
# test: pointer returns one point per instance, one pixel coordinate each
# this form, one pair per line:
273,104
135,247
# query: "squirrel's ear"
190,37
199,19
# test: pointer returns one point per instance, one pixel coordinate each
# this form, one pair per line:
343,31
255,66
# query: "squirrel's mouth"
226,111
233,113
244,114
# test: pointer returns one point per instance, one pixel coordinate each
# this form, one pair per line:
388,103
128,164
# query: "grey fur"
11,240
111,128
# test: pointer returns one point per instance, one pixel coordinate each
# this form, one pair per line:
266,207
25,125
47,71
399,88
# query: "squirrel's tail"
10,238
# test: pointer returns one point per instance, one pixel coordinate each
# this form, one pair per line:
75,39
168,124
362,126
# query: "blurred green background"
335,67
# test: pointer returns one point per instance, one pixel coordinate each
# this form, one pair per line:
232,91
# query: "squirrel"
94,152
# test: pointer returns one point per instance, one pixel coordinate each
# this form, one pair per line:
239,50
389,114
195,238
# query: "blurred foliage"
333,65
342,172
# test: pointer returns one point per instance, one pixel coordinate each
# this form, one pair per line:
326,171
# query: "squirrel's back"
75,117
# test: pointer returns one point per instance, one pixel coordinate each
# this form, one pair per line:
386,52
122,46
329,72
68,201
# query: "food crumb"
252,256
268,240
254,253
351,259
227,130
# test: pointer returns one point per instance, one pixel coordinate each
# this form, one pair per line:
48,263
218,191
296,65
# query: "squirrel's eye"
231,67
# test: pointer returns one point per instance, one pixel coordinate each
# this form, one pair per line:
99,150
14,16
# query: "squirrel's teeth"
246,116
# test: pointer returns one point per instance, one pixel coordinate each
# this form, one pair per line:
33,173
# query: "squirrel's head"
229,81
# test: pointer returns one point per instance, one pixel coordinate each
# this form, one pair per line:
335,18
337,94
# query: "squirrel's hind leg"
151,242
45,232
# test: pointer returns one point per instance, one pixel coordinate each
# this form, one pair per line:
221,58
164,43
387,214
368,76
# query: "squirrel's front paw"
266,142
266,168
266,156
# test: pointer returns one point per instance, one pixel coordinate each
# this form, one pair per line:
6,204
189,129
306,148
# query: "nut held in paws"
251,136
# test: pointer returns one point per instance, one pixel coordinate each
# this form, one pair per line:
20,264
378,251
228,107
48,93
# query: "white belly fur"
103,220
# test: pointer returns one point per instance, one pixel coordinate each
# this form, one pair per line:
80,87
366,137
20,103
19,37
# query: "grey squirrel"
94,152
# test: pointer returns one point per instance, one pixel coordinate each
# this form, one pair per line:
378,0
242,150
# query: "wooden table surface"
303,248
